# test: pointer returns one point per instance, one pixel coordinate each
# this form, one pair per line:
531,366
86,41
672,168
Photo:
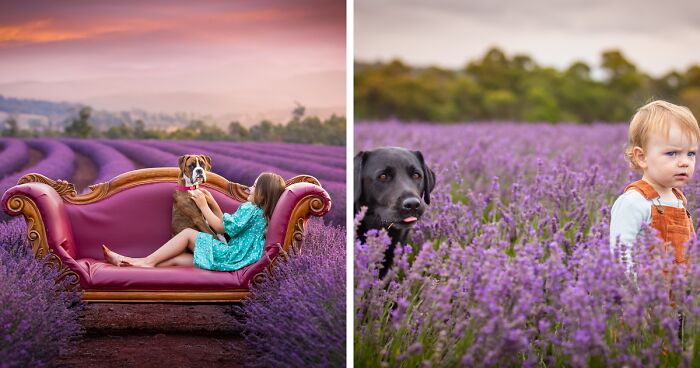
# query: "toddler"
663,142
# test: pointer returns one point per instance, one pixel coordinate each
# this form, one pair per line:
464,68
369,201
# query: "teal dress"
246,227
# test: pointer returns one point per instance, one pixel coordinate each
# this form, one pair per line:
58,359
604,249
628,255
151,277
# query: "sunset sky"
213,57
656,36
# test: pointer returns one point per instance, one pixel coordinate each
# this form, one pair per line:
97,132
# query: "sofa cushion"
99,275
104,276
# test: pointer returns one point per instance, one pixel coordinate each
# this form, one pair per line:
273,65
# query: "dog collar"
182,187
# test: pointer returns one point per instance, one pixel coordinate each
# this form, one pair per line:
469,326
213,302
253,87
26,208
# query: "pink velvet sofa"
131,214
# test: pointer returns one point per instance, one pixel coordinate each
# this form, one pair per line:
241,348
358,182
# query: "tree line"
498,87
300,129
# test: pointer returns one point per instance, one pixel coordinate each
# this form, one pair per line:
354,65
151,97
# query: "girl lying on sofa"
246,228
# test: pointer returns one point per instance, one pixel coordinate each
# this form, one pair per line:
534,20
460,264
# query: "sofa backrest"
135,221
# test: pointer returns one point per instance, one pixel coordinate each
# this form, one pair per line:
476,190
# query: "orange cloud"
265,15
36,31
46,31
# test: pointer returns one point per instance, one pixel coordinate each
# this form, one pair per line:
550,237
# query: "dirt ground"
159,335
85,172
34,157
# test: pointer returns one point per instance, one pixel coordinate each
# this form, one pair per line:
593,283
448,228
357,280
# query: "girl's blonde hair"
268,190
657,117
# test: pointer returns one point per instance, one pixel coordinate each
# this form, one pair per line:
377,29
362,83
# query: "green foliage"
139,129
237,132
499,87
122,130
81,126
10,127
333,132
298,111
265,131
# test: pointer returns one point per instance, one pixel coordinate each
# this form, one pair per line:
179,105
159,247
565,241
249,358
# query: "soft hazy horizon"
208,57
657,37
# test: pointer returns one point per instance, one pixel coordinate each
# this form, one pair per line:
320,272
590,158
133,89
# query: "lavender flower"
13,156
38,318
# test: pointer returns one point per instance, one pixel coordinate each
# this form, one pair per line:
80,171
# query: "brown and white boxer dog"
186,214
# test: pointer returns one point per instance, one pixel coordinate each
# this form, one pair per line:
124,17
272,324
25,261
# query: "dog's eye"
416,176
383,177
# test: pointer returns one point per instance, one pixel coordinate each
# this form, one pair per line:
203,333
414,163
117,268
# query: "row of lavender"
511,265
238,162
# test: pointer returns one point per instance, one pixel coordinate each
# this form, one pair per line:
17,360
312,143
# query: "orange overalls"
674,224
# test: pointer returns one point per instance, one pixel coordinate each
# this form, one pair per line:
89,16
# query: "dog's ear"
428,177
207,160
181,162
357,177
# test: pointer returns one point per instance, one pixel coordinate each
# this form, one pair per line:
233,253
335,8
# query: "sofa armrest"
48,225
297,203
286,228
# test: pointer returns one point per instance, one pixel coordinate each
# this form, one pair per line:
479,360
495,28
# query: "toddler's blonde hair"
657,117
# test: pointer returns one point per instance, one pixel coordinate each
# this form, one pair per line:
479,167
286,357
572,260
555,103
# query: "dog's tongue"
410,219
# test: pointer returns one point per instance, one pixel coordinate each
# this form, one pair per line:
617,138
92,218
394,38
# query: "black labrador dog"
395,185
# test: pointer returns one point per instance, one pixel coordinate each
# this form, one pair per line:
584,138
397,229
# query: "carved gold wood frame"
36,231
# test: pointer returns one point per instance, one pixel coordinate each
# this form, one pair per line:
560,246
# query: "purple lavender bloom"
13,156
38,318
337,152
331,156
143,153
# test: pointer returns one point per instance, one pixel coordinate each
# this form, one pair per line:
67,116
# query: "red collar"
182,187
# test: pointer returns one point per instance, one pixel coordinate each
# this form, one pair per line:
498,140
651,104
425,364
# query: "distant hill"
41,115
36,107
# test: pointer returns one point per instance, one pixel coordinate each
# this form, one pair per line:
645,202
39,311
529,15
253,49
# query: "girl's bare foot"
122,261
112,257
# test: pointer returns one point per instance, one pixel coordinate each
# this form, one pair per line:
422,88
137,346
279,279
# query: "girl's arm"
212,204
214,221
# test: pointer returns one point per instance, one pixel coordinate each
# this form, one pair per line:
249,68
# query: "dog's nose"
411,204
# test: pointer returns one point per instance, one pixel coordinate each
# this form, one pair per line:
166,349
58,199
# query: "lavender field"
86,162
511,265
